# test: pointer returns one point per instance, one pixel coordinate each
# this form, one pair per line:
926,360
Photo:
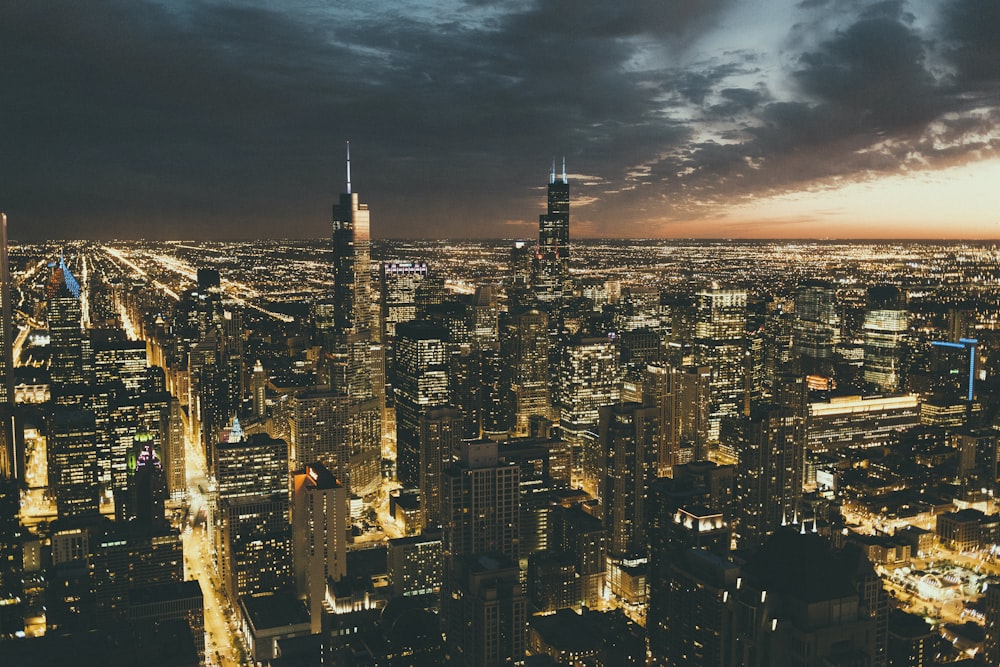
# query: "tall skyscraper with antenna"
10,465
348,348
552,254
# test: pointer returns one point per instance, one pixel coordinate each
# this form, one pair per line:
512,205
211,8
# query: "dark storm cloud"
868,103
210,118
971,28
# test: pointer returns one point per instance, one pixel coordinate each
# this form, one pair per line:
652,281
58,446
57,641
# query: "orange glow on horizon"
961,202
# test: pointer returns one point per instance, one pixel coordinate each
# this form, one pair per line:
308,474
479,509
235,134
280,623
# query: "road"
222,644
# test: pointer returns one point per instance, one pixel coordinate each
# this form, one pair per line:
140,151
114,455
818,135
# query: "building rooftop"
175,590
275,610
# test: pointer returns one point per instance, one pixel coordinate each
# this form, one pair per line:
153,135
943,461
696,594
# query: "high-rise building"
525,348
72,461
320,430
319,535
252,534
348,349
399,294
492,610
817,326
440,434
589,377
142,498
120,361
801,602
584,537
11,458
696,611
482,602
11,561
65,317
7,334
769,473
351,262
885,325
481,503
414,564
629,442
720,343
552,254
421,384
258,391
682,400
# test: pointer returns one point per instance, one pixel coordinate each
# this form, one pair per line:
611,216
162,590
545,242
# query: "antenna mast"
348,167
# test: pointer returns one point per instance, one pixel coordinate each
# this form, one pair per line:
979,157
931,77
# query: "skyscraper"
348,345
65,317
483,603
399,294
525,348
629,443
769,472
719,342
319,535
589,377
351,262
6,320
421,384
816,325
72,461
11,465
253,540
552,254
886,321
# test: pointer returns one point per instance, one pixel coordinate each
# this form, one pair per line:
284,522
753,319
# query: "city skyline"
212,120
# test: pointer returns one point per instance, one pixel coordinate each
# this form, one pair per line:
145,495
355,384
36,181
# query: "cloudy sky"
714,118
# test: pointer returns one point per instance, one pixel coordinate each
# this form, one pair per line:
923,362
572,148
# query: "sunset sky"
677,118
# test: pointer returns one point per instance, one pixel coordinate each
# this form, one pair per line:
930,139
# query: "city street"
221,641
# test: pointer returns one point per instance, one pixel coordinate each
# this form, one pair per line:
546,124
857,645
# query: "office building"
320,429
67,364
697,611
859,421
482,600
629,440
415,564
481,503
72,461
589,377
816,327
421,384
319,535
399,294
769,473
885,325
441,431
720,343
584,537
493,610
524,346
803,602
120,361
551,267
347,353
252,531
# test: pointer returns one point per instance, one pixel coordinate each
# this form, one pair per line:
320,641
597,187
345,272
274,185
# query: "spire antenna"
552,174
348,167
564,170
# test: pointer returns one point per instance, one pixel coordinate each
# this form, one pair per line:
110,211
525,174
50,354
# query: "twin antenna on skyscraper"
348,167
552,176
